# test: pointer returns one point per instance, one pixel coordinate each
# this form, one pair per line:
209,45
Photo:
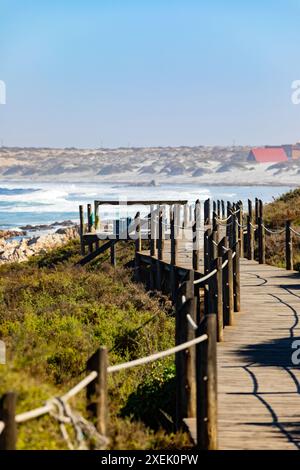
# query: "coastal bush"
54,315
286,207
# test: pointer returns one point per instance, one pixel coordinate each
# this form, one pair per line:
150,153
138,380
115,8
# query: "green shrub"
54,315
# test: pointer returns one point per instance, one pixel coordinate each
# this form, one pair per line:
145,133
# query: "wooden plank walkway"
258,386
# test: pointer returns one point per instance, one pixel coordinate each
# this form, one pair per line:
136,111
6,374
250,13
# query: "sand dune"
198,165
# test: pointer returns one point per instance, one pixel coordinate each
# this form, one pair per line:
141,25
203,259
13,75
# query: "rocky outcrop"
12,233
18,251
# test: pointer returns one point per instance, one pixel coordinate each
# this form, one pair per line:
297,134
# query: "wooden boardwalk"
258,386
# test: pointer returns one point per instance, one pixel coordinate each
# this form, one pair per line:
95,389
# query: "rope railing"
50,405
295,232
273,232
192,324
241,225
236,212
206,278
160,355
223,221
2,426
210,274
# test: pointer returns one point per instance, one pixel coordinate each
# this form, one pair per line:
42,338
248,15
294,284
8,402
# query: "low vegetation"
54,315
286,207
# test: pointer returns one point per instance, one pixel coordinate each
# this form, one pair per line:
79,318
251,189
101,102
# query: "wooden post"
219,208
289,246
96,391
186,215
197,212
191,212
250,210
153,224
185,360
206,250
8,437
216,295
191,352
222,243
89,217
174,244
138,245
215,223
207,394
150,225
223,209
250,239
207,264
215,206
261,242
138,233
228,226
196,248
159,251
207,215
81,229
177,219
240,220
113,259
235,231
160,236
97,222
261,209
213,248
237,280
219,293
256,210
230,297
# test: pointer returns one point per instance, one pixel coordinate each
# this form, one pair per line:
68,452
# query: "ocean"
45,203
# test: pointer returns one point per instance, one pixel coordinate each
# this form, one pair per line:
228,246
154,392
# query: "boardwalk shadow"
275,353
278,352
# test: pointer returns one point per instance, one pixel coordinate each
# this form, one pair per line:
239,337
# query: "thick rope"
193,325
273,232
2,426
155,357
206,278
294,232
223,220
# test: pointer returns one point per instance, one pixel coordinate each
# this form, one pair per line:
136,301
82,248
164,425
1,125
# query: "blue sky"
111,73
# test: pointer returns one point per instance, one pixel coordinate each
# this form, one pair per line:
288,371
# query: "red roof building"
267,155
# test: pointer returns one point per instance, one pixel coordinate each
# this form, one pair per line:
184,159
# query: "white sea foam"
52,201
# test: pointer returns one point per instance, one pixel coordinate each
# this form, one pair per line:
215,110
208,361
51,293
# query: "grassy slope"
286,207
54,315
